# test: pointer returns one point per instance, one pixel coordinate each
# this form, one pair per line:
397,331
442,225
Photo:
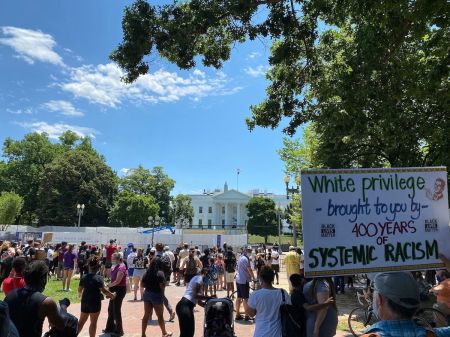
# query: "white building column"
238,215
226,214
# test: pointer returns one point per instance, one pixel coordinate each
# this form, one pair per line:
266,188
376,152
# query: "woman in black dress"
90,290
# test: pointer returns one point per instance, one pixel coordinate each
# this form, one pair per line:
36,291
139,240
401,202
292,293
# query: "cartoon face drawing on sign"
438,192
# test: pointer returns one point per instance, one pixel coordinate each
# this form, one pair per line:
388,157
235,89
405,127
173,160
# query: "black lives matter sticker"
327,231
431,225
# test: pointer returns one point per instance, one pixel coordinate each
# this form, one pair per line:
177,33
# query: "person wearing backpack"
230,269
83,256
191,265
396,298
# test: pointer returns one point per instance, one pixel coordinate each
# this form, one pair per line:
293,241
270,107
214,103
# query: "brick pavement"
132,314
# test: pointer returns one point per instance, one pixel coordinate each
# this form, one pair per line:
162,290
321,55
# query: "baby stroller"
218,318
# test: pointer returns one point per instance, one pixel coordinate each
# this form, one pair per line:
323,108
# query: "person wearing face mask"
28,307
118,285
396,298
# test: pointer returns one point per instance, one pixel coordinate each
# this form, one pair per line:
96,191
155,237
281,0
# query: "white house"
226,210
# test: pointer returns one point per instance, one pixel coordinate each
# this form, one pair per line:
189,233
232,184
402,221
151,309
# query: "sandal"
169,334
172,317
239,317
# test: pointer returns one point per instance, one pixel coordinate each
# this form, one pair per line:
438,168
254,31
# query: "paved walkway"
132,314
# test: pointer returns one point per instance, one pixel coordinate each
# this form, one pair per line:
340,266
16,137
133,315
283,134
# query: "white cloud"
101,84
31,45
256,72
254,55
26,111
57,129
125,170
64,108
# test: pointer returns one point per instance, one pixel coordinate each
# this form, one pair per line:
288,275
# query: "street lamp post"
152,221
80,211
293,190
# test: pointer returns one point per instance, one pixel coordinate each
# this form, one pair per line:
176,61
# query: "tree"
182,210
78,177
372,75
300,154
10,206
132,210
293,214
262,217
155,183
26,161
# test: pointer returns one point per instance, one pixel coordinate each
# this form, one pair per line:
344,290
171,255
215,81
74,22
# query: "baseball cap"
291,248
249,248
166,248
130,244
399,287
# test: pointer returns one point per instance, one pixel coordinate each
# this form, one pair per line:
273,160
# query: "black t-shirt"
230,262
91,283
297,300
152,281
140,262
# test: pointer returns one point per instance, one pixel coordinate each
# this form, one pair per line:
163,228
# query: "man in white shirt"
130,264
276,262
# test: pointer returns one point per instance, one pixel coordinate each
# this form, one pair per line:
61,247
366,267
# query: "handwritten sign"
370,220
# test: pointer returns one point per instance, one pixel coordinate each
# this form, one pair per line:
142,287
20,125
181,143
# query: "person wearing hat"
396,298
292,263
243,277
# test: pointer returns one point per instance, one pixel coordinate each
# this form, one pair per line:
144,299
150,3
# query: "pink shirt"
115,270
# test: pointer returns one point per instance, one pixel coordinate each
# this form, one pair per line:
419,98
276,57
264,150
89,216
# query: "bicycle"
362,316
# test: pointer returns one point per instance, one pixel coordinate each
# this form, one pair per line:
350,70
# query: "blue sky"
56,75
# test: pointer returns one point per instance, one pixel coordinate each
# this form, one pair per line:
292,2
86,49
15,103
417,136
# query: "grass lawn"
253,239
54,290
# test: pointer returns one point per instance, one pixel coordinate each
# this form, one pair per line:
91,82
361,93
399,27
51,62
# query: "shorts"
229,277
68,268
153,298
90,308
243,290
138,273
130,272
108,264
276,268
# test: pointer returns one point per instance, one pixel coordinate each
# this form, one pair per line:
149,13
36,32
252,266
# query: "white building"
226,210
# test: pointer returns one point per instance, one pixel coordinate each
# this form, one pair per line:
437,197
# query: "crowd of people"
111,271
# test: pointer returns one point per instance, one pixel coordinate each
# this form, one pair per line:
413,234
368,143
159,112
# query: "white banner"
370,220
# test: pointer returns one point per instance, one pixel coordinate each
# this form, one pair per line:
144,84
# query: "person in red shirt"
15,280
110,250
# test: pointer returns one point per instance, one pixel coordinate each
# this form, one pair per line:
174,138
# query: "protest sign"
371,220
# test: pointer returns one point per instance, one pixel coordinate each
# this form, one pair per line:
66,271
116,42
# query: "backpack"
230,263
191,267
289,325
166,264
82,256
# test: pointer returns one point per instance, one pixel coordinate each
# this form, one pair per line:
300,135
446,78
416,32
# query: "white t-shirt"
50,254
130,259
267,303
275,257
189,293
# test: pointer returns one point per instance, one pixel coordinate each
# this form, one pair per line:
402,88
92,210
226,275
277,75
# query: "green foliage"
262,217
77,177
155,183
133,210
300,154
293,214
373,76
182,210
10,206
26,161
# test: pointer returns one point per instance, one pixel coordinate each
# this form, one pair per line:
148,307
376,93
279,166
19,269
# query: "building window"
200,209
223,209
209,223
209,210
200,222
223,222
